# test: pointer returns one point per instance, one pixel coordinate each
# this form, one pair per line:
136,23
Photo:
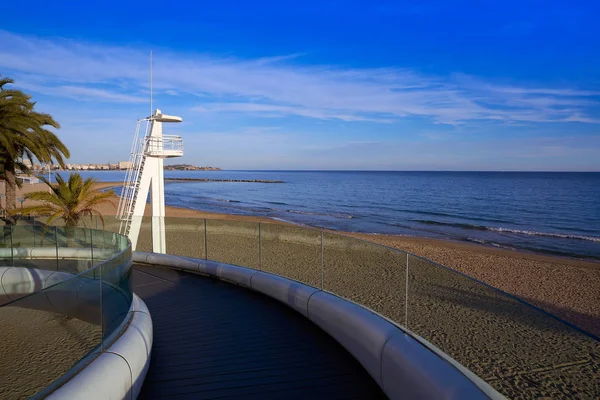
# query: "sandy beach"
521,352
568,288
38,347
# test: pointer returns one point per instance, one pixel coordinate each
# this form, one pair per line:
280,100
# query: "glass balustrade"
520,350
65,296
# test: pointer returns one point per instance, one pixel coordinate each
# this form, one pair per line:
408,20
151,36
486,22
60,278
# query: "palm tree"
24,135
70,200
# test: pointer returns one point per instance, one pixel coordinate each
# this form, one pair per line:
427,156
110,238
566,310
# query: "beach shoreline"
183,212
565,287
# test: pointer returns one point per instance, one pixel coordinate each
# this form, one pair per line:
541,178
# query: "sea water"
546,212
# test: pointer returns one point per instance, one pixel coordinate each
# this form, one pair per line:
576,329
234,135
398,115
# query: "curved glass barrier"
65,293
518,349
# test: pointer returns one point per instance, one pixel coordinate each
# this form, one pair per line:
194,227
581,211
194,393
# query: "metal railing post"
56,244
101,273
33,229
92,246
205,242
322,261
12,249
406,295
259,248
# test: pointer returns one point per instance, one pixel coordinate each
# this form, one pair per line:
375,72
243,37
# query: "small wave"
342,216
456,225
277,203
486,242
547,234
441,214
228,201
565,228
509,230
400,225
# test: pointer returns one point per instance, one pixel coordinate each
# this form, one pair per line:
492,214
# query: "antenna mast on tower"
151,111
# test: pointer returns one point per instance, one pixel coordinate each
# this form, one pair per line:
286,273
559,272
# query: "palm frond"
71,200
24,133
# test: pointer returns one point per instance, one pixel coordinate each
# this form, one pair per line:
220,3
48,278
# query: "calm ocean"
556,213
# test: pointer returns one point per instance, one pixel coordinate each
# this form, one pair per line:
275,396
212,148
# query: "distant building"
125,164
27,179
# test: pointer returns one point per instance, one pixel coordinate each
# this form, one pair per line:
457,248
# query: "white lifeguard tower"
146,175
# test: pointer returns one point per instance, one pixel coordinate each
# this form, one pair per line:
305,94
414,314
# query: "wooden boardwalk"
215,340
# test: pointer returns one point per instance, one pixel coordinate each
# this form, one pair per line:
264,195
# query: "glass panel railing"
185,236
116,292
45,333
64,289
144,242
292,252
107,223
6,248
104,245
519,350
233,242
74,249
44,236
34,246
24,235
366,273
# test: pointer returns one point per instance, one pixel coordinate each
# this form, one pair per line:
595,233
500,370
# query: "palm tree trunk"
10,186
69,230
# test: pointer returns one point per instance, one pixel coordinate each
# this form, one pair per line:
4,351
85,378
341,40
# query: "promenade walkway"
215,340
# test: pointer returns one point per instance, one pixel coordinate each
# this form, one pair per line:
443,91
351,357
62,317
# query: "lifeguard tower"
146,175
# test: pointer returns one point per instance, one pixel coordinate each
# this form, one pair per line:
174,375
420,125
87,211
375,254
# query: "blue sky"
478,85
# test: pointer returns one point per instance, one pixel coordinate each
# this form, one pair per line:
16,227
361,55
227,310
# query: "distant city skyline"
321,85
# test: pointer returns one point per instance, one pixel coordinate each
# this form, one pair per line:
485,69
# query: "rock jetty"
189,167
221,180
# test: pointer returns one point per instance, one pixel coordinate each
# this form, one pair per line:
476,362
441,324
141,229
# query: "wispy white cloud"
545,91
271,110
82,93
280,86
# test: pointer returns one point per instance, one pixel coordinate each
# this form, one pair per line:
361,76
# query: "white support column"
157,197
140,207
159,244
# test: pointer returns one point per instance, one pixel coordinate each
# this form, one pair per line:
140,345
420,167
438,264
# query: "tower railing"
165,146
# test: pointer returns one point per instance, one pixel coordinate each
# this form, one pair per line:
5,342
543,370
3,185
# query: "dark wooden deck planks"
218,340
